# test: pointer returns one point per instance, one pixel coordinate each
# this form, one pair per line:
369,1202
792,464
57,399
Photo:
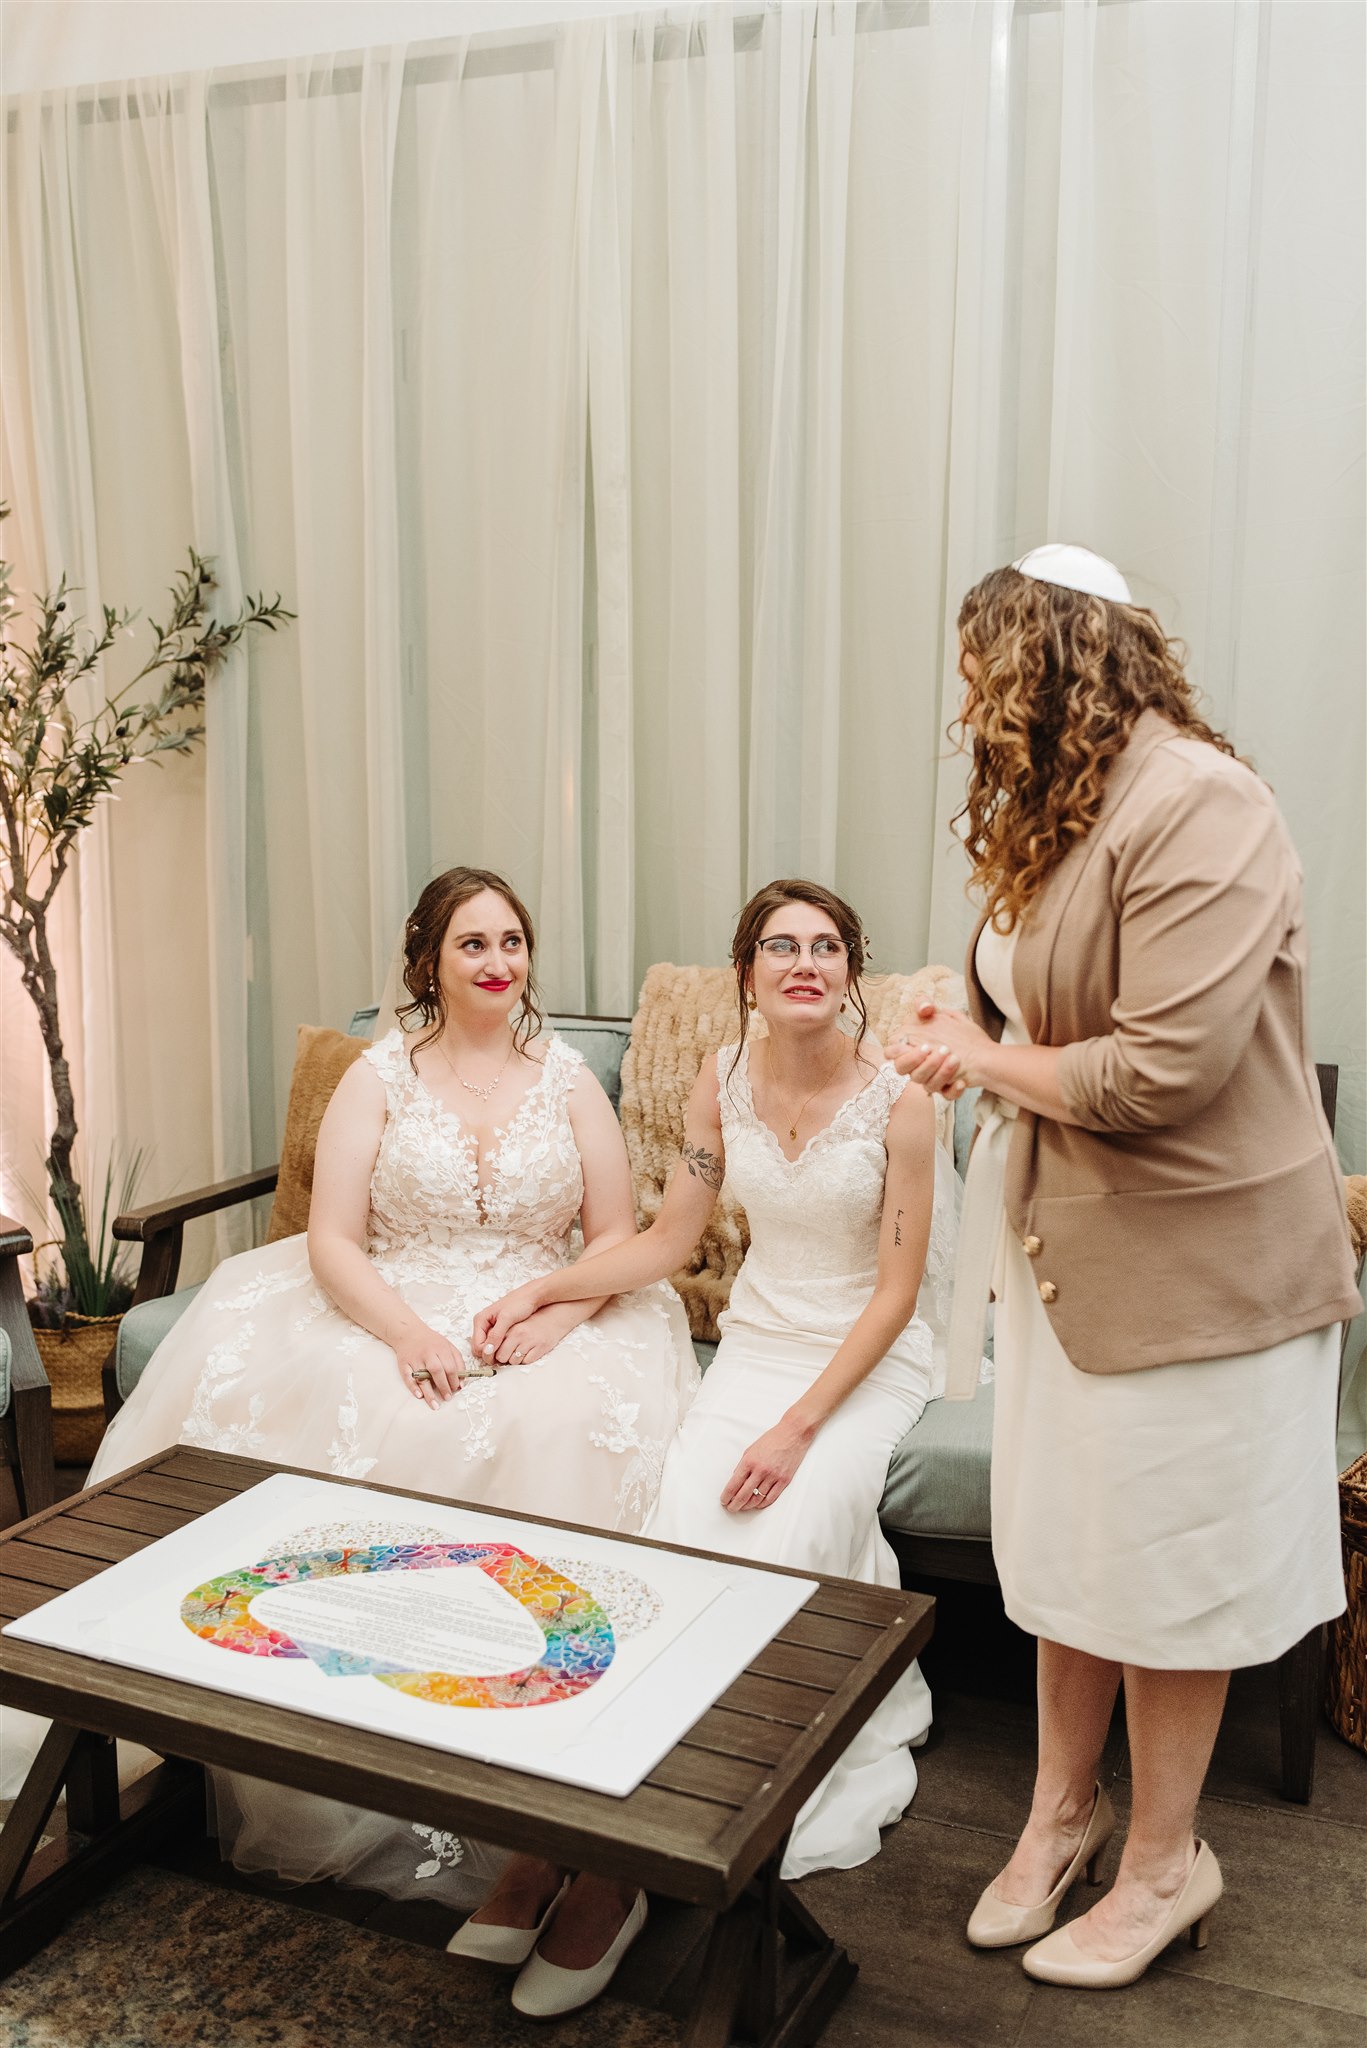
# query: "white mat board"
682,1628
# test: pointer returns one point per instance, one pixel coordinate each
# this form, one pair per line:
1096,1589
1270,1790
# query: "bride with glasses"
827,1356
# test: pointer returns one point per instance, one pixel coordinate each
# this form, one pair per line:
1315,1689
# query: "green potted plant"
56,765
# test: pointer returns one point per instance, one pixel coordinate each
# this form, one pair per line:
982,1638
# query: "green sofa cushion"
938,1480
140,1332
602,1042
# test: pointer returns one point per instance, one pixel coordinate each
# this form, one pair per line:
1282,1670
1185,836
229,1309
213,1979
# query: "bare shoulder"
360,1088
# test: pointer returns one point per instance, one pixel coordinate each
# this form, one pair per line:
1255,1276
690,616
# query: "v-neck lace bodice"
426,1197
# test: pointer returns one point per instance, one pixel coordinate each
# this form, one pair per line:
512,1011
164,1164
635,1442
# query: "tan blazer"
1198,1212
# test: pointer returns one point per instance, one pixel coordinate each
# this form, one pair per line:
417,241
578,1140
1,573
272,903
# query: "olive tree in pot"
56,765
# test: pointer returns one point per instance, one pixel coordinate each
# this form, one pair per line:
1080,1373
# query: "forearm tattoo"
703,1165
897,1228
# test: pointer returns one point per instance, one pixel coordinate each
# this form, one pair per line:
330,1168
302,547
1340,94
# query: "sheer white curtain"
624,408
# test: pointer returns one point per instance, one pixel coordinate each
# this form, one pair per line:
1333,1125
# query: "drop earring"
750,1002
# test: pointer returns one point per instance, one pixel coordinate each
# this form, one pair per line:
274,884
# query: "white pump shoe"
544,1990
505,1946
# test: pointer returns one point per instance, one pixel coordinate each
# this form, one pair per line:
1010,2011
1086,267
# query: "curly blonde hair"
1062,677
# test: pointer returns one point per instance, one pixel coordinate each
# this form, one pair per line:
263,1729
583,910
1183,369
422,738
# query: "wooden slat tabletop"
696,1829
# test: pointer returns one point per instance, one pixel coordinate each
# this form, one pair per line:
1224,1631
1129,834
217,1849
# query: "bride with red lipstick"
452,1163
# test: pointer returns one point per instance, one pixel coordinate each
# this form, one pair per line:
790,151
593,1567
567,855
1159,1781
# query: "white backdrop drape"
624,408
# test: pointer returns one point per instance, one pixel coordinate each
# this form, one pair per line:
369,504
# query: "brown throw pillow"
321,1058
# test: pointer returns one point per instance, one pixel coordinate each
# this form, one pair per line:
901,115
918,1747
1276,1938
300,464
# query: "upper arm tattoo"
703,1165
897,1228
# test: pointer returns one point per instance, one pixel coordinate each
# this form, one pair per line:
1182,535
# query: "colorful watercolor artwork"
426,1621
575,1630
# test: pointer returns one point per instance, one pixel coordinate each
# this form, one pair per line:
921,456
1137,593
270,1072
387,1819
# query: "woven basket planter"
1346,1692
73,1359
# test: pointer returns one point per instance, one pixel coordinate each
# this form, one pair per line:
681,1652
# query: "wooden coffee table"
707,1826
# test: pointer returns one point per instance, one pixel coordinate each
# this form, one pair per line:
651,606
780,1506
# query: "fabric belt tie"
980,1227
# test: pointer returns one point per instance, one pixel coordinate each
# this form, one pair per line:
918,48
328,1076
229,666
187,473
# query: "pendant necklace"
825,1083
484,1090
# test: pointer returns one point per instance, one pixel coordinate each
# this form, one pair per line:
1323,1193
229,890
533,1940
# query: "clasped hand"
518,1330
946,1060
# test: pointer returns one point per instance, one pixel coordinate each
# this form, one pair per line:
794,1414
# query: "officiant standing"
1155,1198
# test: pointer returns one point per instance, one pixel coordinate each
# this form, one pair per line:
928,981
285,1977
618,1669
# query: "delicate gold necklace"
792,1128
484,1090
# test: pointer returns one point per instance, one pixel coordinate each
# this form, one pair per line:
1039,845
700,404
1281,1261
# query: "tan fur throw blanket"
685,1015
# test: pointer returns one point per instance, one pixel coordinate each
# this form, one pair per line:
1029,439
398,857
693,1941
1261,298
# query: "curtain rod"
492,53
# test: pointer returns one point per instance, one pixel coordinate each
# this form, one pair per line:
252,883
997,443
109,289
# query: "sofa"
935,1508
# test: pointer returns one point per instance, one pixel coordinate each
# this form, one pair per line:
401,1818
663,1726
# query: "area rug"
165,1961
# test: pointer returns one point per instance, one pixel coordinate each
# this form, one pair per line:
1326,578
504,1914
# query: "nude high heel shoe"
995,1924
1059,1960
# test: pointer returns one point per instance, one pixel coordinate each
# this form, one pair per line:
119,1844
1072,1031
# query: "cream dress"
1182,1517
263,1364
809,1273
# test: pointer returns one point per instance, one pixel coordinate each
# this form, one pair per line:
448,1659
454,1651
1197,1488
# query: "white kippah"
1075,569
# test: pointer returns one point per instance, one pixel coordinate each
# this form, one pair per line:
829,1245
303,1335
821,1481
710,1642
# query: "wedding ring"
754,1490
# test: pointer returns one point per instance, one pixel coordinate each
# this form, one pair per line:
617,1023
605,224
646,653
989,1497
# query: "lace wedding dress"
261,1363
809,1273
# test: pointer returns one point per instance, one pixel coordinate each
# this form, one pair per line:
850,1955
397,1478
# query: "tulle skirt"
262,1364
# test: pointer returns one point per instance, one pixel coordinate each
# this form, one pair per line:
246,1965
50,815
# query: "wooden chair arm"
160,1227
15,1241
28,1426
26,1367
140,1226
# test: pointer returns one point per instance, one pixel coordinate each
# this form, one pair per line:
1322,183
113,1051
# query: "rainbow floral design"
579,1640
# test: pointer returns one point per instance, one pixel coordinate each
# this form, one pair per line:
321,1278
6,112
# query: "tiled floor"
1284,1968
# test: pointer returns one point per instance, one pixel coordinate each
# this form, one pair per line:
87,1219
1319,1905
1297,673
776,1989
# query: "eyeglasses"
824,951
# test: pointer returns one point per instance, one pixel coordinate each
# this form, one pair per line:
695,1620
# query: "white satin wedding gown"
808,1275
